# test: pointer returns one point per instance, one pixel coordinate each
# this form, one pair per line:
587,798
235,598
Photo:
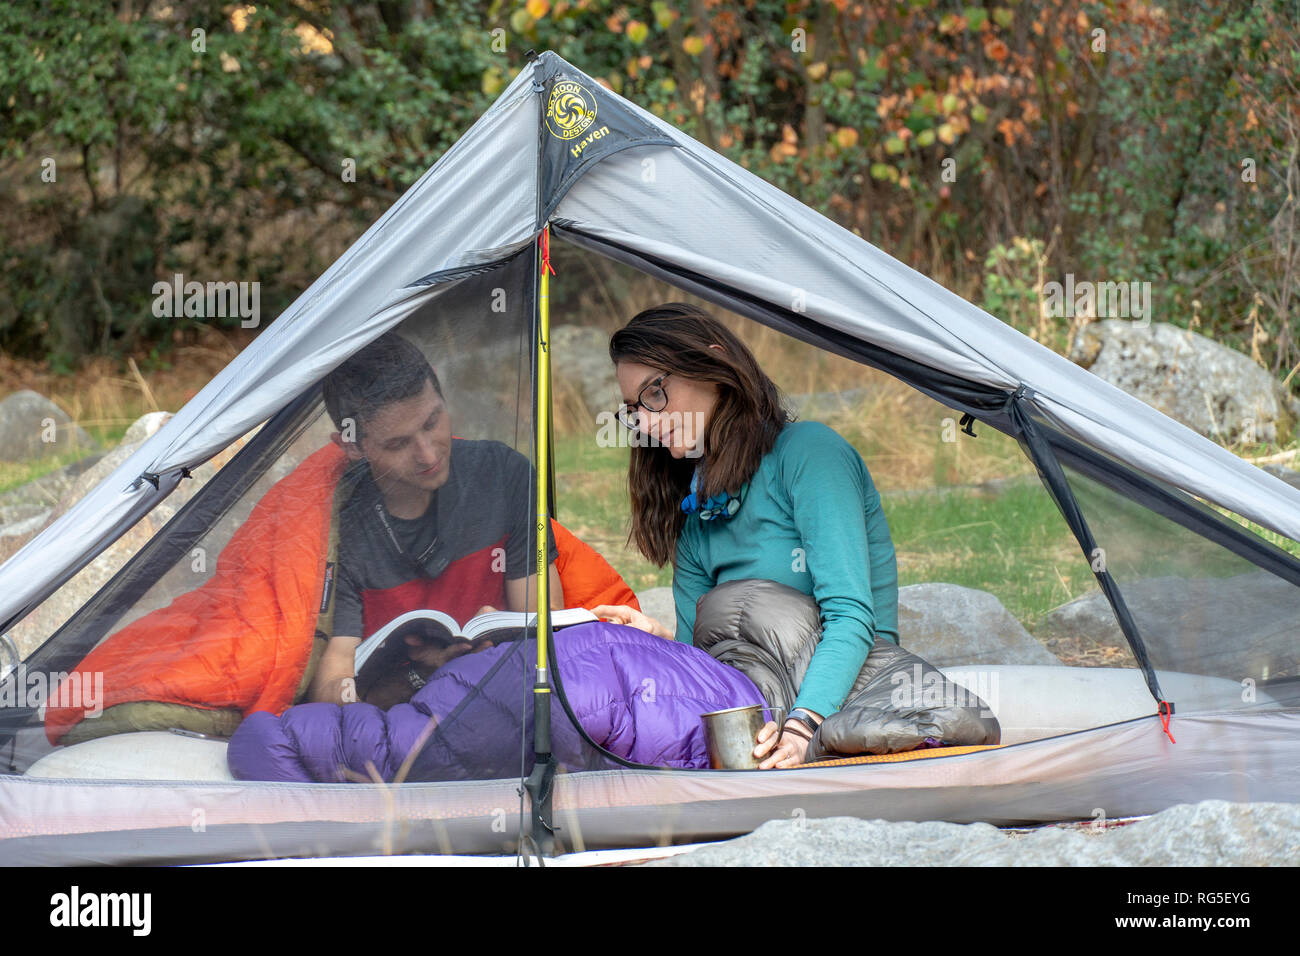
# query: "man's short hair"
389,369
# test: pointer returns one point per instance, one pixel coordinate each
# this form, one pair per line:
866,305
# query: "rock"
580,357
658,604
32,426
144,427
1288,475
846,841
947,624
821,405
33,630
1240,626
1210,833
25,527
950,625
1084,632
484,386
27,509
1215,390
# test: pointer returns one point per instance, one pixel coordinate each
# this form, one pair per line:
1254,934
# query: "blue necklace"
722,505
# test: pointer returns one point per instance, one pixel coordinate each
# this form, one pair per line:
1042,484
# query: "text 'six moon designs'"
570,111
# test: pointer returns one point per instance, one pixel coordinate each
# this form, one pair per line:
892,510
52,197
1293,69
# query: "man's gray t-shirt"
455,558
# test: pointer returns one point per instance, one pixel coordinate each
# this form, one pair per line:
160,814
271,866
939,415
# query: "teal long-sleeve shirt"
811,518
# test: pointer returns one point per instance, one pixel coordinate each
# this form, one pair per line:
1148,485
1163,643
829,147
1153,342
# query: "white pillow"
149,755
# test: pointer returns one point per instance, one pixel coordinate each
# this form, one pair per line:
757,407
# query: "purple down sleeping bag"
638,696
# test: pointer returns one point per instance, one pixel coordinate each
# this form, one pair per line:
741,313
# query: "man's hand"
334,681
431,655
622,614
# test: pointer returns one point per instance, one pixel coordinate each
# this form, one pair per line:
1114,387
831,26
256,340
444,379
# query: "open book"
387,648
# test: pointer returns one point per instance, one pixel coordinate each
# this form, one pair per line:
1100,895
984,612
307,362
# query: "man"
432,521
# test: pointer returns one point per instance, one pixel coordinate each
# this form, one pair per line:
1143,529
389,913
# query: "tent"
454,264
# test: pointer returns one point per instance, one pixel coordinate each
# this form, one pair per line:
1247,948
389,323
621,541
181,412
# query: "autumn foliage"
1007,141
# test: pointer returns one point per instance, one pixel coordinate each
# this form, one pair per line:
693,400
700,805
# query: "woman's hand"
792,750
622,614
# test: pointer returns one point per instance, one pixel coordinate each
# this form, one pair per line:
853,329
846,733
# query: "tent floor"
1125,769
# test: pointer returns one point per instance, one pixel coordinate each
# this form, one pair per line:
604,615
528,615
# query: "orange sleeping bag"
242,640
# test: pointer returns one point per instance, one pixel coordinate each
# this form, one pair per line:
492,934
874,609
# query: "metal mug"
730,735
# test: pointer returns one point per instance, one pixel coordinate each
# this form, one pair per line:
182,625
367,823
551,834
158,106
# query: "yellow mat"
922,754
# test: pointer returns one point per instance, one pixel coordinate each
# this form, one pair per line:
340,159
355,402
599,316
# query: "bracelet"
801,716
797,731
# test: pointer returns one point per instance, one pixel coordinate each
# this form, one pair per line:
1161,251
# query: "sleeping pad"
638,696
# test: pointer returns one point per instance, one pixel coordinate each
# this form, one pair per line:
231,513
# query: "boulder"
32,426
580,358
1237,627
144,427
658,604
821,405
1210,833
1084,632
1290,476
950,625
20,524
947,624
28,508
1215,390
484,386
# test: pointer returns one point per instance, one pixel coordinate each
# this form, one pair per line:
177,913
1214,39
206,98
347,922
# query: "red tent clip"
546,250
1166,711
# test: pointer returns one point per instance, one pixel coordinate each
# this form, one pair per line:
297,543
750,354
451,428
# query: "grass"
1012,543
592,500
15,474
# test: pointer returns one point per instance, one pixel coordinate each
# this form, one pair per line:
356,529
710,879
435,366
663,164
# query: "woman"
728,488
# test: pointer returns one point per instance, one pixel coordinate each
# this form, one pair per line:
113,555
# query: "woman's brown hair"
675,337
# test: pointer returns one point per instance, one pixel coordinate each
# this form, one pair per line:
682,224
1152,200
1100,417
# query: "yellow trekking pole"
543,445
539,781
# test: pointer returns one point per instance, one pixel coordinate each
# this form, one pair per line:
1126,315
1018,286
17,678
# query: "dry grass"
104,396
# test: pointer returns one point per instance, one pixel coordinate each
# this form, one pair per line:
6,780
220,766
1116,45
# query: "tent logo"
570,111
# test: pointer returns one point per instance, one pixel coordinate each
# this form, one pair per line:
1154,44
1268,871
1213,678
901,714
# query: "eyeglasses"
652,398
